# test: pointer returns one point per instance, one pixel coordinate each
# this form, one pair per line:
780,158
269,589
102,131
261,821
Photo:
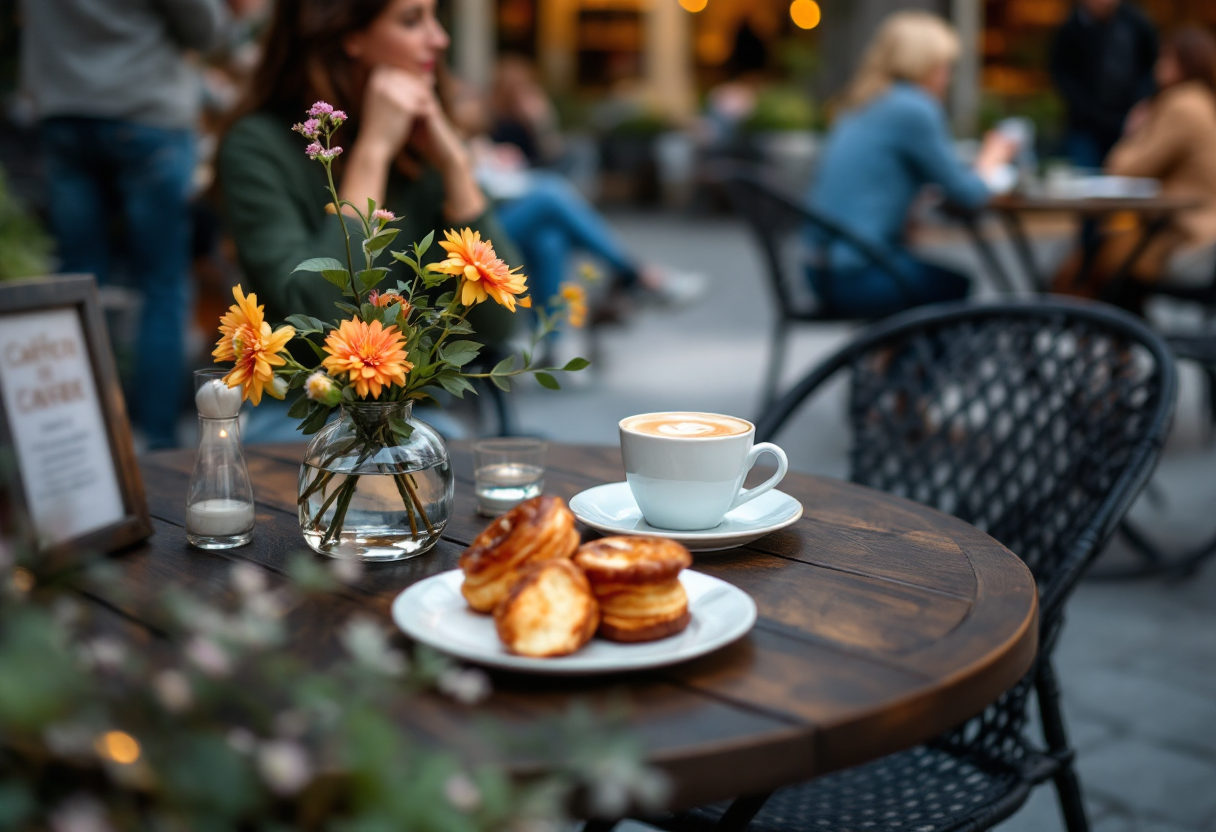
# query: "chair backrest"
1037,421
774,215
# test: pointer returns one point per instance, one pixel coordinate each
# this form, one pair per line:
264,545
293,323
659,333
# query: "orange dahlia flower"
246,341
482,273
371,354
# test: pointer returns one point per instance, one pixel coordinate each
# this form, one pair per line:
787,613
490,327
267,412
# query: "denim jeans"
551,220
148,170
870,292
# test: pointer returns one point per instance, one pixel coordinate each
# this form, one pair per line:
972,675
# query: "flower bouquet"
376,483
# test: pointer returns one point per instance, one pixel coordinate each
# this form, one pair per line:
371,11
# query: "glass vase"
219,500
376,484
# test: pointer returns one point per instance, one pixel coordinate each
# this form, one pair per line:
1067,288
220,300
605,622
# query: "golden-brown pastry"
537,530
550,611
636,581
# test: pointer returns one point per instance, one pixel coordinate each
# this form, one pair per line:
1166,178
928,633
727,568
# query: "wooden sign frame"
79,294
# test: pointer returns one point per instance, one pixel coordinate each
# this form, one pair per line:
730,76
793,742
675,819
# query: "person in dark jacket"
1102,64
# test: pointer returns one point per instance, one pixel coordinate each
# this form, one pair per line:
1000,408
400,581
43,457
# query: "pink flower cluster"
316,151
323,120
384,215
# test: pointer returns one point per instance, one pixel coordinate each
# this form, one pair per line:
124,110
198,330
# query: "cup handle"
747,494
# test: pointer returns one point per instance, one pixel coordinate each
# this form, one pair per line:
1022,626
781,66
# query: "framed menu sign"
68,478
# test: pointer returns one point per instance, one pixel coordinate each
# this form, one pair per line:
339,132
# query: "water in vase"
375,516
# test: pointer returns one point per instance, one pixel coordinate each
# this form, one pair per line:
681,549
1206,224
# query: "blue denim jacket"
876,160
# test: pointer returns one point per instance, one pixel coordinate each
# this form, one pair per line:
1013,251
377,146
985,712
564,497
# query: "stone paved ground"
1137,660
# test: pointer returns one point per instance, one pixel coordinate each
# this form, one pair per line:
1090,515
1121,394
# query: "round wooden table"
882,623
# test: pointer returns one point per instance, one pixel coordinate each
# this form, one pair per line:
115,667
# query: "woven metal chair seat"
925,789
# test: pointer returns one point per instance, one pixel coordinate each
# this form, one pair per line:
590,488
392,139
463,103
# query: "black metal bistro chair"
777,219
1038,422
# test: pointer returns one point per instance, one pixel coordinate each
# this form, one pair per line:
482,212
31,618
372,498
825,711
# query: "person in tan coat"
1170,137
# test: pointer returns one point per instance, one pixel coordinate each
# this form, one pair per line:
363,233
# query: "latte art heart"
686,429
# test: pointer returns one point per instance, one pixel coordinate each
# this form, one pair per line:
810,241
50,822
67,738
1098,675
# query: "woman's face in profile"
406,35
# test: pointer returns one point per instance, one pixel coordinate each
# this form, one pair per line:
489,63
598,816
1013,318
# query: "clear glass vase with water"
219,500
376,484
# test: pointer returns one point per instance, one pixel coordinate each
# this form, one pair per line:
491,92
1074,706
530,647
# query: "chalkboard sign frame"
78,293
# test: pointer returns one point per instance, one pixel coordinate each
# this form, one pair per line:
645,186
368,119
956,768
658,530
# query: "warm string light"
805,14
693,5
223,434
118,746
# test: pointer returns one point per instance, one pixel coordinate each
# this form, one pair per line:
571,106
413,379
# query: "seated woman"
377,60
890,142
1171,137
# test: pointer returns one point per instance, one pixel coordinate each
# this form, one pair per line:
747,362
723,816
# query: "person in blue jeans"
118,101
891,141
549,221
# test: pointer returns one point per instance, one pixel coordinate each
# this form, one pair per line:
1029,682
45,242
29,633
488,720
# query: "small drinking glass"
219,503
507,472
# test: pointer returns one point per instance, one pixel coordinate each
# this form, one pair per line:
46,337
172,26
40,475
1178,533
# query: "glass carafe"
376,484
219,503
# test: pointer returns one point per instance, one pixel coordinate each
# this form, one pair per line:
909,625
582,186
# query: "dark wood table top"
1028,203
882,623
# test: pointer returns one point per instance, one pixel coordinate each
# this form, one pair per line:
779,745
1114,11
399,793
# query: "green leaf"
445,299
320,264
320,353
455,384
316,420
460,353
369,313
501,382
348,308
548,381
400,427
340,278
297,380
420,248
371,207
300,408
461,328
402,257
370,277
504,366
378,242
576,364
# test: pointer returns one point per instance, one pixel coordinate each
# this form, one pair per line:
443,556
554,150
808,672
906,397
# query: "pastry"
537,530
636,581
550,611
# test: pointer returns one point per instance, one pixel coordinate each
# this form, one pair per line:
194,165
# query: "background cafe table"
882,623
1155,214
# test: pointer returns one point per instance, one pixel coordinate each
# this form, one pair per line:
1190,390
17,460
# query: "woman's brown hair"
1195,51
303,59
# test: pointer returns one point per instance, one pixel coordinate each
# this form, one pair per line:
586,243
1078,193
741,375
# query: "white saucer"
611,509
434,613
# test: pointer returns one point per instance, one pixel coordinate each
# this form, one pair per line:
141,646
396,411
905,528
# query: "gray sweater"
120,59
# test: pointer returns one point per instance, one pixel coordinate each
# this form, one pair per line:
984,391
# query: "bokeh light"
804,13
118,746
693,5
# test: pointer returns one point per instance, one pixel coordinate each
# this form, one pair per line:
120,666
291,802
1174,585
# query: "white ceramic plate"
434,613
611,509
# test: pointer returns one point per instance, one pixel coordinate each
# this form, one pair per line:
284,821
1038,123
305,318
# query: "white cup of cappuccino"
686,470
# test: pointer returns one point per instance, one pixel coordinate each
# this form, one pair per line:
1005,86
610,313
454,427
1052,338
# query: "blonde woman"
890,141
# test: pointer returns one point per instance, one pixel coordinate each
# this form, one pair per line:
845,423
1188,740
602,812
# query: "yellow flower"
246,340
575,297
482,273
371,354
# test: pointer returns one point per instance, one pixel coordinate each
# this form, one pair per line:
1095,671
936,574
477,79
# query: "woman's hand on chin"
393,104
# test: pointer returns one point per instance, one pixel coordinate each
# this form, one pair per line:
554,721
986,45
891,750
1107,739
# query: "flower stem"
410,486
406,499
348,491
